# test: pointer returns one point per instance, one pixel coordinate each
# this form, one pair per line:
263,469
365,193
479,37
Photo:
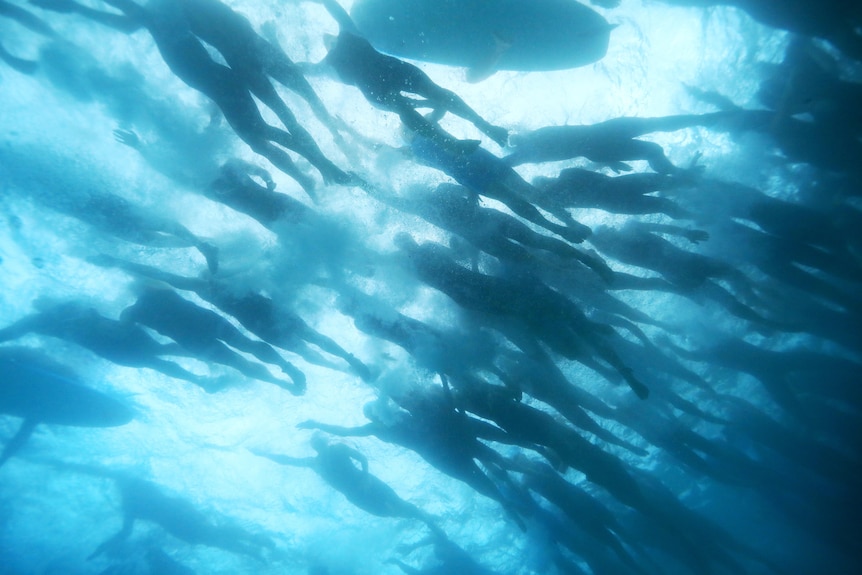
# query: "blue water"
489,367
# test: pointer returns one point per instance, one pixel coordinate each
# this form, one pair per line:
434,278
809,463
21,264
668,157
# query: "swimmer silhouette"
188,59
275,324
485,174
143,500
119,342
522,306
394,85
236,189
448,444
255,60
336,465
207,335
503,236
612,142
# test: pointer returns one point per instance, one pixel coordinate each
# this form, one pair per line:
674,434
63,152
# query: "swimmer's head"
542,182
142,285
404,241
329,41
451,194
369,410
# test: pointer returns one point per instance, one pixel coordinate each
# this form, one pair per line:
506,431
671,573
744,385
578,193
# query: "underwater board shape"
39,390
486,35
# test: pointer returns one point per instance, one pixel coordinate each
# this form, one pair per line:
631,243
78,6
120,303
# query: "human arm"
340,15
20,64
21,327
26,19
174,280
132,19
237,169
694,236
285,459
362,431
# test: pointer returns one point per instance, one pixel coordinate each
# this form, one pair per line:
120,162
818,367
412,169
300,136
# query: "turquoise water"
496,340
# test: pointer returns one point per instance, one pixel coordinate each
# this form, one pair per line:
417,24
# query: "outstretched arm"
362,431
20,64
340,15
130,9
286,459
26,19
20,327
132,19
694,236
179,282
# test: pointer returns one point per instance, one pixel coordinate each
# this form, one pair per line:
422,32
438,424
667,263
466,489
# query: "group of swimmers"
534,290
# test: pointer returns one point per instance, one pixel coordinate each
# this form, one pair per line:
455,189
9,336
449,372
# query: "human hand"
127,137
696,236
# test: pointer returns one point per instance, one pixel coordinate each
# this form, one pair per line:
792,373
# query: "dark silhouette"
236,189
119,342
786,374
143,500
187,58
443,437
26,19
828,147
394,85
460,354
628,194
275,324
612,142
544,35
749,423
833,230
583,509
40,390
691,274
255,60
448,352
503,236
451,558
521,306
336,465
485,174
205,333
526,425
795,264
54,182
20,64
808,81
537,375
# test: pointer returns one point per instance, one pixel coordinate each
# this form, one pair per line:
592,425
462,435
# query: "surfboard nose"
35,387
